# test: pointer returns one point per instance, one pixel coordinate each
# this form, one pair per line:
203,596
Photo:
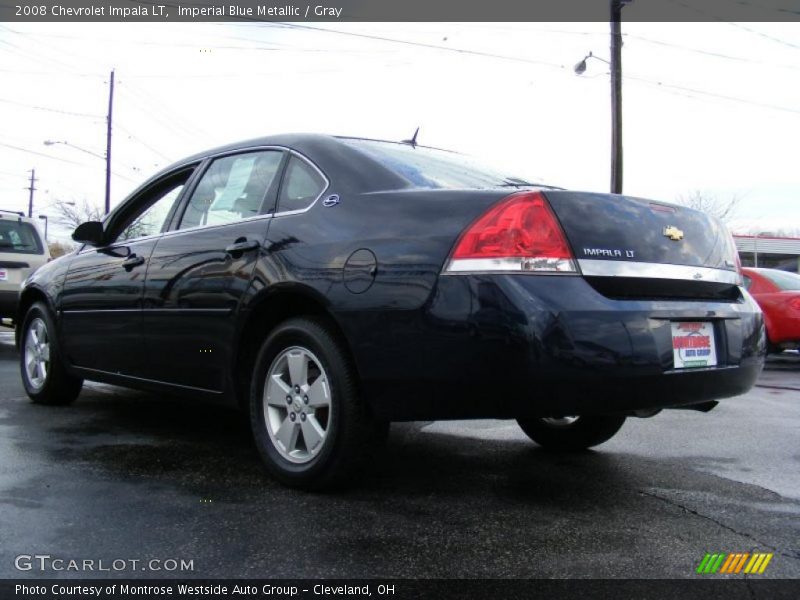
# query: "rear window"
783,279
19,237
432,168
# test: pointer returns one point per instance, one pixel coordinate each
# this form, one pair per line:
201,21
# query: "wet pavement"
124,475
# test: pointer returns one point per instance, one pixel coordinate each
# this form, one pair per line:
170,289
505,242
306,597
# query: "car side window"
748,282
232,188
302,184
152,219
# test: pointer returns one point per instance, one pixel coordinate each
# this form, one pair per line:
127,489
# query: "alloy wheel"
37,353
297,405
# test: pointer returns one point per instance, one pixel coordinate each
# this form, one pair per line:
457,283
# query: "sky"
710,107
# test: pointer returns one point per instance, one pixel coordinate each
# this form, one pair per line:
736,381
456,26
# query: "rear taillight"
519,233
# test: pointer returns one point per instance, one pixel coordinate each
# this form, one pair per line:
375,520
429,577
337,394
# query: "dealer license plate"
693,344
3,275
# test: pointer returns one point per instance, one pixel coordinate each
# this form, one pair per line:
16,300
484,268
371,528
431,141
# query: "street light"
616,91
106,158
45,226
65,143
580,68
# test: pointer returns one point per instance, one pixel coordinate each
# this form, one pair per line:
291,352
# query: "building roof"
768,244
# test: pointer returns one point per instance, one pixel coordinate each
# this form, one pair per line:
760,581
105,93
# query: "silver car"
22,251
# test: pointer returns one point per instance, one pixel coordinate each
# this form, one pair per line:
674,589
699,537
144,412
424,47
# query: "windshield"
783,279
19,237
431,168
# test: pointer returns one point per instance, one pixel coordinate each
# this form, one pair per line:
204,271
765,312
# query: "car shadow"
200,448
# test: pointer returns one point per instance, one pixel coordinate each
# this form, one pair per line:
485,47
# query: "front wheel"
310,424
571,433
45,379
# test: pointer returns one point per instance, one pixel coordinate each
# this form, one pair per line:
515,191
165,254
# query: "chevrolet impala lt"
329,286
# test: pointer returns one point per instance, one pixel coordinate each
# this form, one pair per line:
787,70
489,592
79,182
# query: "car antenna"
413,140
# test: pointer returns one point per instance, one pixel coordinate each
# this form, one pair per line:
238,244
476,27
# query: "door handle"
132,261
242,245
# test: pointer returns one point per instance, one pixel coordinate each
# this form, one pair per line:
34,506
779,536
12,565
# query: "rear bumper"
532,345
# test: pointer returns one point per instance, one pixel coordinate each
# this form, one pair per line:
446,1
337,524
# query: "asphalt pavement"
128,476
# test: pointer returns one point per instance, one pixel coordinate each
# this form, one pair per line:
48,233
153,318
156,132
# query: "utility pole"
108,142
31,189
616,96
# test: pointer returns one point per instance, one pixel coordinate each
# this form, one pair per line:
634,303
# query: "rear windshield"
19,237
431,168
783,279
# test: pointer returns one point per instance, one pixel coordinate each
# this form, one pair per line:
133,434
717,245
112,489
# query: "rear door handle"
242,245
132,261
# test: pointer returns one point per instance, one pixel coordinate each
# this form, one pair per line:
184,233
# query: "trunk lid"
632,247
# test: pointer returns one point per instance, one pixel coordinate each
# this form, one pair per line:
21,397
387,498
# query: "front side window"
19,237
233,188
153,219
302,184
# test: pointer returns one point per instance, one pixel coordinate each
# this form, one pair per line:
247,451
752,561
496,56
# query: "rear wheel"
571,433
45,379
310,424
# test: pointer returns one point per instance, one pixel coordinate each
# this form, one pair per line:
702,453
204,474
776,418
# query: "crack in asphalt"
696,513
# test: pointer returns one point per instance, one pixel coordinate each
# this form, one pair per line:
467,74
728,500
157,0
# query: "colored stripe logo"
734,563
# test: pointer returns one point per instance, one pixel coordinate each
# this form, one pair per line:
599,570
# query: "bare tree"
59,248
72,214
793,232
724,209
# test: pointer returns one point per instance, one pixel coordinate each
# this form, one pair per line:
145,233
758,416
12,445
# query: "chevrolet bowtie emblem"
673,233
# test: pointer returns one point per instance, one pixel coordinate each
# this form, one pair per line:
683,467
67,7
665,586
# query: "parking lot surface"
127,475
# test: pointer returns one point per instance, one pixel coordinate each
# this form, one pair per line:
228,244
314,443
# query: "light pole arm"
65,143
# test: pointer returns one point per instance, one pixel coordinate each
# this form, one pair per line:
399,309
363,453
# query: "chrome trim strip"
194,311
145,379
542,266
325,189
86,248
621,268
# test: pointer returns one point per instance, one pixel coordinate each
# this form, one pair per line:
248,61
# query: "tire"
576,434
44,376
332,435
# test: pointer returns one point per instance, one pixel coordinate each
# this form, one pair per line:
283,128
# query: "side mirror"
90,233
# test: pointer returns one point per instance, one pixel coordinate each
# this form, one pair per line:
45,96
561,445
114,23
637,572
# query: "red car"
778,294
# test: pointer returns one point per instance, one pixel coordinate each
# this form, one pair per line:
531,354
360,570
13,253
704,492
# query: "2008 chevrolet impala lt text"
331,285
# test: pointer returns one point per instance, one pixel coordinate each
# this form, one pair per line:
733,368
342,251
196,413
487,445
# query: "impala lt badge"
673,233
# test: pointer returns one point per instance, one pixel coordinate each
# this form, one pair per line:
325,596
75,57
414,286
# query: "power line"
710,52
519,59
143,143
419,44
64,160
20,149
765,35
712,94
50,109
187,130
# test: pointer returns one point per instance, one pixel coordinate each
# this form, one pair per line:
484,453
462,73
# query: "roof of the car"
328,152
14,215
296,141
